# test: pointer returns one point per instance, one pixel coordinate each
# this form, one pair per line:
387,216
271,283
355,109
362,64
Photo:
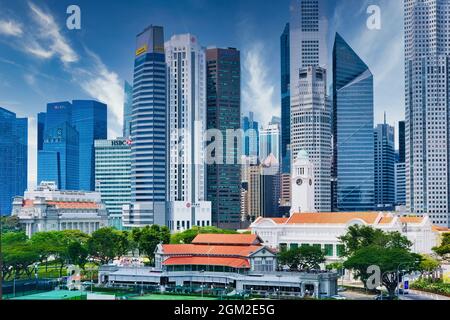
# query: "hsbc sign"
120,143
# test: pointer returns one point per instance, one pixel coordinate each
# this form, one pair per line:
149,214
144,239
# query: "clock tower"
302,184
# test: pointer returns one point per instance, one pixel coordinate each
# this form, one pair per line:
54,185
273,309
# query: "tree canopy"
444,249
186,237
302,258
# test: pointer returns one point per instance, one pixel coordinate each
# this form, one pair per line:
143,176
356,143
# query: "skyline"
67,65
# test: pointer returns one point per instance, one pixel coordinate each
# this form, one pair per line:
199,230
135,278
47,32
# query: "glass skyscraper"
353,114
127,110
112,176
285,100
149,132
13,158
70,131
384,148
224,113
251,136
269,142
89,118
427,65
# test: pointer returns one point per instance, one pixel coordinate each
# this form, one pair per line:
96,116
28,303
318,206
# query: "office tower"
58,161
270,187
311,130
269,141
113,176
427,51
224,114
308,38
186,63
149,132
127,110
401,142
285,100
400,184
251,136
89,118
285,193
254,193
40,129
384,151
69,129
13,158
58,158
353,114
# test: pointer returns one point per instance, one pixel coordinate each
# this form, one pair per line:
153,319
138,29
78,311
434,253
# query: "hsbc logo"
120,143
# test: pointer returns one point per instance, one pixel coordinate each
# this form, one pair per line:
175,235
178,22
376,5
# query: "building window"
329,250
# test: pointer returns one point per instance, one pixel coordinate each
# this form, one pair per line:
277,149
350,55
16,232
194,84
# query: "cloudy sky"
42,61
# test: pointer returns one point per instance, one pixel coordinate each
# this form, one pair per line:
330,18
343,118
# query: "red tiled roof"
411,219
193,249
214,261
280,220
227,239
332,218
73,205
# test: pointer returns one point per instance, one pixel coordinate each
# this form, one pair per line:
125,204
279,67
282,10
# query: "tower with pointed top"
302,184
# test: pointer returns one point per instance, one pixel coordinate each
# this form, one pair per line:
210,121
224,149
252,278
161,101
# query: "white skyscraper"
269,141
311,130
427,53
308,37
186,63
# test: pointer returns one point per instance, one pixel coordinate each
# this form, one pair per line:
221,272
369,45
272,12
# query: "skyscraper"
224,113
13,158
113,176
186,63
308,38
384,149
40,129
127,110
251,136
353,114
269,142
58,159
149,132
89,118
66,124
285,100
427,53
311,130
401,142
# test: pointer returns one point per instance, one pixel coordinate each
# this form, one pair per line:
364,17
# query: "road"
419,295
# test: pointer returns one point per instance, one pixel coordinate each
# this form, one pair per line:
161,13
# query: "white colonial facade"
324,229
48,209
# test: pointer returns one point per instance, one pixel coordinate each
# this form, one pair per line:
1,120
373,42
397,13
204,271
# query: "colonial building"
324,229
48,209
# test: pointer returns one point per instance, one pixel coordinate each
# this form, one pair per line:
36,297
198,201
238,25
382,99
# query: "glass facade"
251,136
224,113
89,118
285,101
13,158
148,130
112,176
353,130
127,109
66,131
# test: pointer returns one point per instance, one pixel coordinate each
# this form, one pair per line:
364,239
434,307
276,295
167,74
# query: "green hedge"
437,287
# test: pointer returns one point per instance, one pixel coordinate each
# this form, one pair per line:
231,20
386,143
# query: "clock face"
299,182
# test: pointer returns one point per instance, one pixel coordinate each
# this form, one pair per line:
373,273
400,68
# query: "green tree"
17,254
358,237
304,258
186,237
444,249
389,260
148,239
49,245
106,244
77,254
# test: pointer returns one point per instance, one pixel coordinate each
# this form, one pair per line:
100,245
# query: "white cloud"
258,91
49,34
10,28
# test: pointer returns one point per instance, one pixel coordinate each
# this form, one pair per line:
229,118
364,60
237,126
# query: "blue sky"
42,61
